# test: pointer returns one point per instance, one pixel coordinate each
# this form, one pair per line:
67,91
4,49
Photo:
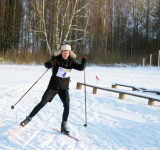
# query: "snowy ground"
113,124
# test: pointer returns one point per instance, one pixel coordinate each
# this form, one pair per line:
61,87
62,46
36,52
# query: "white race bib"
63,72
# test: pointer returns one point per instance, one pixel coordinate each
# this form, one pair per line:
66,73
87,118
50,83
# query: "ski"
14,131
65,134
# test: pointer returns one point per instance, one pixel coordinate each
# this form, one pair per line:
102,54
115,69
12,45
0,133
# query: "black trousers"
48,96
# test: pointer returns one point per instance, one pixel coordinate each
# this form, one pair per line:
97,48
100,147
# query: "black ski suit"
58,85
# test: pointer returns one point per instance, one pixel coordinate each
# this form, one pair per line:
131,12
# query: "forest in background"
106,31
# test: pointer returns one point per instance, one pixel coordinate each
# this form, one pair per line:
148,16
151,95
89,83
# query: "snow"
112,124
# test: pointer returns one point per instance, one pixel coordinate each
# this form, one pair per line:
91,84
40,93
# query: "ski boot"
25,121
64,128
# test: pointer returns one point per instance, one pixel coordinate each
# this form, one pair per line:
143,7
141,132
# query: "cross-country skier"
62,63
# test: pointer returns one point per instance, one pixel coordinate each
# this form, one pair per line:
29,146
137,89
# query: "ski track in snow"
112,124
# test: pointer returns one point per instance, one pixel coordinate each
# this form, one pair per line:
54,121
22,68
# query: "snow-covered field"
113,124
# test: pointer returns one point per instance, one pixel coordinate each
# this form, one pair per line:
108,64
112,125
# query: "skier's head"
65,54
65,51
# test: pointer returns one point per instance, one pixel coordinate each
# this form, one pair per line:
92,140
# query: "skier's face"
65,54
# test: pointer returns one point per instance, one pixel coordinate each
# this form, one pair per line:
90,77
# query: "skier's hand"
84,60
48,65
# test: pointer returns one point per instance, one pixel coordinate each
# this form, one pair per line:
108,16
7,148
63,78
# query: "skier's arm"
81,66
49,63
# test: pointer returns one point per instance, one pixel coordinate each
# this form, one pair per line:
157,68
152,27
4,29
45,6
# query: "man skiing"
62,63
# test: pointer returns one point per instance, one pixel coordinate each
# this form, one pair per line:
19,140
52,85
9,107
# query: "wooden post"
158,93
143,62
151,102
94,90
114,86
134,89
150,60
122,96
79,86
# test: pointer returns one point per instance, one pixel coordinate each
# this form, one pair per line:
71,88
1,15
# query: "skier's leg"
64,95
47,97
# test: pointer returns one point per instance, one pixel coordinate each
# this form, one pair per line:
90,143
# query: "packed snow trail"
112,124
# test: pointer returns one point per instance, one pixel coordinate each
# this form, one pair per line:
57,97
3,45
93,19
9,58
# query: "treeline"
107,31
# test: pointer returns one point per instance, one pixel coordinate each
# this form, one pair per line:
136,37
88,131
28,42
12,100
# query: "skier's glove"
48,65
84,60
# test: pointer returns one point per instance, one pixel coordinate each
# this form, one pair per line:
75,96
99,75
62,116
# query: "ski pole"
85,96
12,107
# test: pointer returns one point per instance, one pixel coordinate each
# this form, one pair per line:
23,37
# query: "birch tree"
106,27
112,25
